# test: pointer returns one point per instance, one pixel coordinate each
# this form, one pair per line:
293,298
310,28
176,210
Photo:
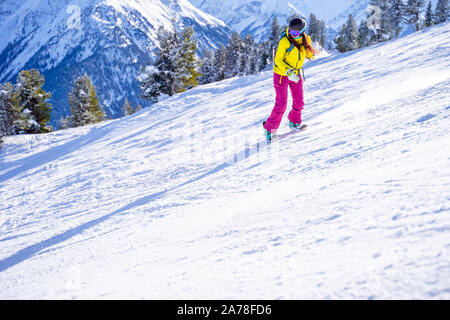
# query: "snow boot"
269,135
293,126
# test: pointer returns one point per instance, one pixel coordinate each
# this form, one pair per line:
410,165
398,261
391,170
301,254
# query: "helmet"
298,24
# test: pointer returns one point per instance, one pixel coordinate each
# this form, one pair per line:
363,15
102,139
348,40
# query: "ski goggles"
296,33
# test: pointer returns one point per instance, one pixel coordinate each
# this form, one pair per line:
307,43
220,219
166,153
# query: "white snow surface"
168,204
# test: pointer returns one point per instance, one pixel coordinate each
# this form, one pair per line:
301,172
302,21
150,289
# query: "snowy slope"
170,203
113,39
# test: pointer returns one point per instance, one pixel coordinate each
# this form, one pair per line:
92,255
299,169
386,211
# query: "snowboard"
277,137
252,149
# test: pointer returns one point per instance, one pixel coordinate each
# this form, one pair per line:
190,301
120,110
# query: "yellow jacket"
290,60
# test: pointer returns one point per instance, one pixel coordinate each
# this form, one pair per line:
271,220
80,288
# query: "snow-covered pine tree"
65,123
166,60
150,82
7,100
386,30
442,12
233,56
187,65
127,108
314,28
265,55
6,110
363,34
322,33
219,63
274,37
176,65
413,12
373,23
395,16
247,56
162,77
347,38
207,68
254,61
317,30
429,16
381,30
84,104
32,113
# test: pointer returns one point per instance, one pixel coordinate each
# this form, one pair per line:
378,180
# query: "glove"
292,75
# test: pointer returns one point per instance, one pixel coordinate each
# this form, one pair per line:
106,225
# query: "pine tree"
413,12
265,54
166,61
429,16
363,34
6,110
275,34
207,68
442,12
347,38
253,61
233,56
65,123
187,66
219,63
314,28
382,29
32,113
127,108
247,56
322,33
373,22
176,65
84,104
386,30
151,83
161,78
395,13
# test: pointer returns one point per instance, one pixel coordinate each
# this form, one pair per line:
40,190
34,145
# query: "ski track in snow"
171,203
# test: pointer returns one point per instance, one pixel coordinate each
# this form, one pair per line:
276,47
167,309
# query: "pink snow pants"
281,84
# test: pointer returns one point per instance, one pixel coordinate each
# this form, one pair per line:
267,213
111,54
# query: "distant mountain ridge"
255,16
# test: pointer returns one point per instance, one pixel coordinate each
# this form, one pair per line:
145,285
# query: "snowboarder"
293,48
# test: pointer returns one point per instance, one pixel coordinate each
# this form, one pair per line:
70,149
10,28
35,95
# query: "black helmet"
298,24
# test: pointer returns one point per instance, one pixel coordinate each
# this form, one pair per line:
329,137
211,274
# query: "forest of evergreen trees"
24,108
176,69
393,16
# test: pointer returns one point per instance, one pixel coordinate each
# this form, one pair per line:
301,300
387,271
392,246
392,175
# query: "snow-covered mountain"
358,9
107,39
255,16
178,202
